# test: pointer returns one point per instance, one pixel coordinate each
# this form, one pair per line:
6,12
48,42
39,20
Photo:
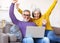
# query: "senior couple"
37,20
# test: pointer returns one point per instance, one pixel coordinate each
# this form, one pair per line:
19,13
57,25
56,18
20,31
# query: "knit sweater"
22,25
44,16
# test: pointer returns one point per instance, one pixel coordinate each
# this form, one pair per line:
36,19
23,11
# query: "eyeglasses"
26,14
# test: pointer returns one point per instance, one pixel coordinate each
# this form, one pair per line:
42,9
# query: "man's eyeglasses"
26,14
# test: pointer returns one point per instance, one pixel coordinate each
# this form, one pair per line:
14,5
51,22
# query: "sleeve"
12,16
48,12
19,10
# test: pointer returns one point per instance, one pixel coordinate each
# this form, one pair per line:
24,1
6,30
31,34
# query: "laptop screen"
35,32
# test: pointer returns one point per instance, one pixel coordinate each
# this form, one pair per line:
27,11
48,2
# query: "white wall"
31,5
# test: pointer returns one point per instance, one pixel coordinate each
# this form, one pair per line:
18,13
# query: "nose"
26,17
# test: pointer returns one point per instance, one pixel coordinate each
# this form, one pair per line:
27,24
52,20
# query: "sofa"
8,36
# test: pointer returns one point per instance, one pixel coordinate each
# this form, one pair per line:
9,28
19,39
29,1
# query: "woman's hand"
17,5
44,22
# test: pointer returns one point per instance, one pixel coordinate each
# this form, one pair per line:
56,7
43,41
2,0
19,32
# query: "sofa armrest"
12,37
3,38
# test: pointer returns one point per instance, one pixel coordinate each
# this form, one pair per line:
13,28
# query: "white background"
31,5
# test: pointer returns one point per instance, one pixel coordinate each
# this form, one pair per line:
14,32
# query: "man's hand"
15,1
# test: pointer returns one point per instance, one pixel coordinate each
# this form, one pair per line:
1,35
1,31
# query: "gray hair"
37,9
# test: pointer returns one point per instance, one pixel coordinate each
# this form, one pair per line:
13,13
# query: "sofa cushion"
12,37
3,38
16,31
7,27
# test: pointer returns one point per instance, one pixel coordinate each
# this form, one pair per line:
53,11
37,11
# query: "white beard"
25,20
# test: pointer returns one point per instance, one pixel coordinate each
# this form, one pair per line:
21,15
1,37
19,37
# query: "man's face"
26,16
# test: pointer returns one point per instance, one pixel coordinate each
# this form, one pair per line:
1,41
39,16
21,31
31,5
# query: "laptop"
35,32
56,30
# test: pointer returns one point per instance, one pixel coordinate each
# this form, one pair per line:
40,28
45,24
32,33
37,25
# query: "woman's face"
36,15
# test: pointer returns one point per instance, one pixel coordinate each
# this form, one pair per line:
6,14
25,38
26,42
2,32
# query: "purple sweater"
22,25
